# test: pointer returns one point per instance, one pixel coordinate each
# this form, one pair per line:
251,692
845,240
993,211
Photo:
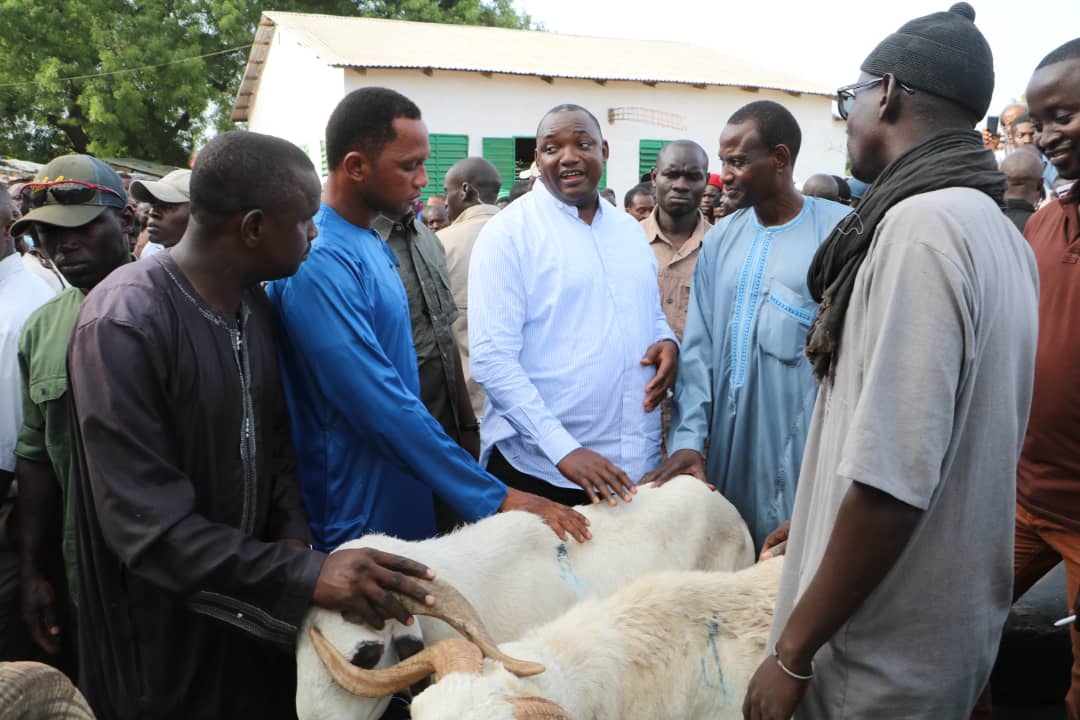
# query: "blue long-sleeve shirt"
369,453
743,380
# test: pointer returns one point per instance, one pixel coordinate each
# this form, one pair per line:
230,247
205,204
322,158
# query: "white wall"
298,93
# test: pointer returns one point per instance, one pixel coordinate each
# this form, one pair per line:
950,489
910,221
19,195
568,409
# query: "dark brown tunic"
184,478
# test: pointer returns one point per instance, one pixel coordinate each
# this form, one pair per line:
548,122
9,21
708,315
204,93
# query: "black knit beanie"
942,53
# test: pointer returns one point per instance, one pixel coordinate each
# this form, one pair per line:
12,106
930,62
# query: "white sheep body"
518,575
670,645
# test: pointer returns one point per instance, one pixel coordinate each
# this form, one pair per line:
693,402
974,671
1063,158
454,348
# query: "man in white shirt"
565,326
20,294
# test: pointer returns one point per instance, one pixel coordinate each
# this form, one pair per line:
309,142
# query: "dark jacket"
184,478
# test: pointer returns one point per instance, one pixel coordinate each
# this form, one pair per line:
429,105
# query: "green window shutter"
647,152
445,151
322,154
603,177
500,153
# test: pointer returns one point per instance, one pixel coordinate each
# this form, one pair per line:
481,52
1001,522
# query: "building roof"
375,43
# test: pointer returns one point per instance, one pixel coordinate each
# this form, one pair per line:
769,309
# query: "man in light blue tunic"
743,384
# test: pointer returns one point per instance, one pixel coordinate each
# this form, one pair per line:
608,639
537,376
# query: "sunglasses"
70,192
845,96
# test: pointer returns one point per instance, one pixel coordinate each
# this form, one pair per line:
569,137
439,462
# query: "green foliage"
157,113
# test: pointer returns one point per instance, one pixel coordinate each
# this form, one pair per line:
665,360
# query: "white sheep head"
456,659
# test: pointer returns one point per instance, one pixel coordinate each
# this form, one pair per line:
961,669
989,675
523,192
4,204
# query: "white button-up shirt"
560,315
20,294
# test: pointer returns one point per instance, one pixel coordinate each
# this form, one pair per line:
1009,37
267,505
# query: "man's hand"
665,356
776,543
680,462
558,517
596,476
990,140
772,693
38,600
362,583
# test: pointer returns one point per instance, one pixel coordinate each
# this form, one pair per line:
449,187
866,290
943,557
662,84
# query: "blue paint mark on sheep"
706,677
566,573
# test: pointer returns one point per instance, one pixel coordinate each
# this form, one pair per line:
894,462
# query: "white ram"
680,645
519,575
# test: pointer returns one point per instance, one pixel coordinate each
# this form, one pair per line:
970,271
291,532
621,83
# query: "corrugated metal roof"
377,43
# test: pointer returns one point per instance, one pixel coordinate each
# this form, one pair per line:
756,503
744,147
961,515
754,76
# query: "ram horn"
442,658
527,707
34,690
453,609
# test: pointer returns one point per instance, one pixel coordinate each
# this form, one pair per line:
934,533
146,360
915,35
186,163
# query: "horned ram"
670,645
518,575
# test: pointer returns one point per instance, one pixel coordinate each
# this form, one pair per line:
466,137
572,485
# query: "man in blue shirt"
369,453
743,383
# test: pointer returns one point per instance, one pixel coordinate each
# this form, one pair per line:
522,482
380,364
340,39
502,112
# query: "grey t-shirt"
929,404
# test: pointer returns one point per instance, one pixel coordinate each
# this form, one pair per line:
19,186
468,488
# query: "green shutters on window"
322,155
603,178
445,151
500,153
647,152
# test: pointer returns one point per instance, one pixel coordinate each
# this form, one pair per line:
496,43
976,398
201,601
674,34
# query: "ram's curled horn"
453,609
537,708
442,658
35,691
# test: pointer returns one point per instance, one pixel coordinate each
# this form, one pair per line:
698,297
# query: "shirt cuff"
557,444
686,441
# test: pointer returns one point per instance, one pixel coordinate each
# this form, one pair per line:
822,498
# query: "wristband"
788,672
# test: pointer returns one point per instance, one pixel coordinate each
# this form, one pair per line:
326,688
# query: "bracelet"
470,427
789,673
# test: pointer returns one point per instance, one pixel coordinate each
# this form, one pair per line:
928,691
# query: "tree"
66,84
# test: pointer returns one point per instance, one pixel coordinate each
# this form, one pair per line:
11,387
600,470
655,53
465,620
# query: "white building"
483,90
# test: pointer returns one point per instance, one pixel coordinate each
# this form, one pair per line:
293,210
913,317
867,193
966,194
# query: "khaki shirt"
676,268
458,239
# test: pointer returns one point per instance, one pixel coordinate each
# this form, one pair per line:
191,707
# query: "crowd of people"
874,370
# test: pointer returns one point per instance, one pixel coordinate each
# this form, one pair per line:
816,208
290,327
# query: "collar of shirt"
652,228
385,225
1069,193
475,211
10,265
571,210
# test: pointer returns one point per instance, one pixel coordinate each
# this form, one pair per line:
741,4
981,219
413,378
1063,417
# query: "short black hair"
843,189
240,171
569,107
642,189
364,120
1068,51
775,125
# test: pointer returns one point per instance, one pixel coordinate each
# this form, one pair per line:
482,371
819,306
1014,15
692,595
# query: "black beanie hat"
943,54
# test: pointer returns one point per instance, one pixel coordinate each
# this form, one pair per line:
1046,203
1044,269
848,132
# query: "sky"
820,40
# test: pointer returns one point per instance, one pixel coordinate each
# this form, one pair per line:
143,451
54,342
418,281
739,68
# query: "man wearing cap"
710,199
81,217
170,203
20,294
898,573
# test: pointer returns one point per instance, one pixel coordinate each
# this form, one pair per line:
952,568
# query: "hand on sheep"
559,518
680,462
772,693
596,476
776,542
665,356
361,584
